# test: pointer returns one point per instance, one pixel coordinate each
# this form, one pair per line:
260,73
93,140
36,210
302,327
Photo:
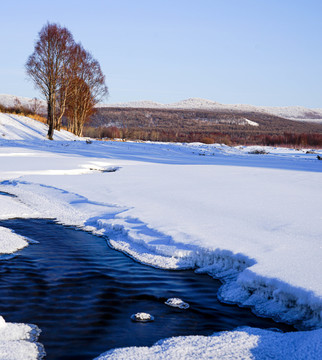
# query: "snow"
10,242
12,100
176,302
142,317
253,123
253,221
243,343
17,341
15,127
298,113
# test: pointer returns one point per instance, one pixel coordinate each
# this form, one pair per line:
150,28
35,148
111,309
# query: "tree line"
68,76
207,137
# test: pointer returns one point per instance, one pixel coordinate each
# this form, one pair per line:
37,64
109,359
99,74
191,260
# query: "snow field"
253,221
220,219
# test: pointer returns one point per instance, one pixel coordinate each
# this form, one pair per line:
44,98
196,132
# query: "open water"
81,294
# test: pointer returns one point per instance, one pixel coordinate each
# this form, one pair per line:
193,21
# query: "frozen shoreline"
253,221
18,341
242,343
146,243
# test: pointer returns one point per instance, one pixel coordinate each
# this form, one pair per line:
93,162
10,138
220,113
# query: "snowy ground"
253,221
17,341
244,343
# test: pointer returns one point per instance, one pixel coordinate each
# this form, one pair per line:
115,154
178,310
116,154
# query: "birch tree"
48,68
87,88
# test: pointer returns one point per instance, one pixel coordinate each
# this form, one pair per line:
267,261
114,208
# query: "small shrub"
258,152
207,140
38,118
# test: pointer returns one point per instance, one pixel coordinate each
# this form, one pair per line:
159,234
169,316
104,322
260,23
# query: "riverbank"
252,220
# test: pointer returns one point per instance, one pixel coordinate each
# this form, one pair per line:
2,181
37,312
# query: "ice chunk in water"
176,302
142,317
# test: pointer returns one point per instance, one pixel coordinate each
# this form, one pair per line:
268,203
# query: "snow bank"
16,127
17,341
12,208
10,242
244,343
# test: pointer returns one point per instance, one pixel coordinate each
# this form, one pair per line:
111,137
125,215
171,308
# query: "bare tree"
47,67
35,106
86,88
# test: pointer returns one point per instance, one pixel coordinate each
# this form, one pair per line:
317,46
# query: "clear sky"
261,52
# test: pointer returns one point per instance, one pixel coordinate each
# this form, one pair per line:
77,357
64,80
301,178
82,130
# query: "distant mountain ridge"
298,113
34,104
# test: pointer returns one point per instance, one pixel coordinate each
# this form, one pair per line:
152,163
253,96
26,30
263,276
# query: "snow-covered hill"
16,127
36,105
299,113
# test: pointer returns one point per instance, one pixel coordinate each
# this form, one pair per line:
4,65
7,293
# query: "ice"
176,302
142,317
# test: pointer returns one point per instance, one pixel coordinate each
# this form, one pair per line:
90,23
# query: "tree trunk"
50,119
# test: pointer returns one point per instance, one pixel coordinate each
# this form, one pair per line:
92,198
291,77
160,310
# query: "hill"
299,113
16,127
34,105
190,125
197,120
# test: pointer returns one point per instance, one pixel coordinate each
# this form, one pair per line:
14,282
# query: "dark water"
81,293
4,193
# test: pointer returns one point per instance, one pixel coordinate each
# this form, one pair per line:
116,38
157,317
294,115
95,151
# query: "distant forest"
207,126
170,125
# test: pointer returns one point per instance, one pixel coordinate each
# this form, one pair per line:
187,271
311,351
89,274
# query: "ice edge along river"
252,221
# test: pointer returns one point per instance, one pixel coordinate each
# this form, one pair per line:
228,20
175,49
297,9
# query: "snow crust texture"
243,344
17,342
10,242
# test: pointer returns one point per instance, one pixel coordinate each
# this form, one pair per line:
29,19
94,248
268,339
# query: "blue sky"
232,51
